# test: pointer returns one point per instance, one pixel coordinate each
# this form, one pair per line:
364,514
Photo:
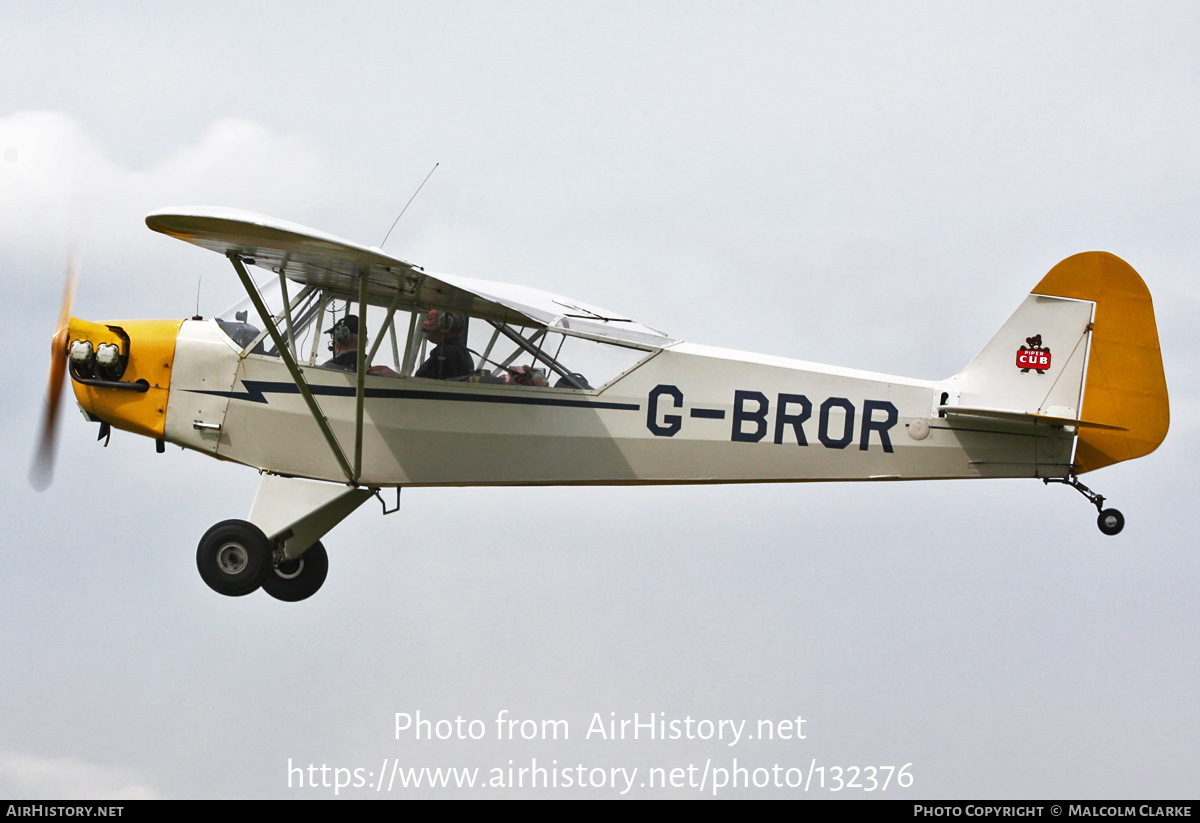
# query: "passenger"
527,376
449,358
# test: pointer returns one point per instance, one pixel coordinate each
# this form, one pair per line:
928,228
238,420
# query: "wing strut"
363,359
297,375
360,391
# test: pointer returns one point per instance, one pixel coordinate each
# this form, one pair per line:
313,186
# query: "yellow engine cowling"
148,351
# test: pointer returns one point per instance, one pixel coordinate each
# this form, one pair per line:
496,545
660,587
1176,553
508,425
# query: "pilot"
344,345
449,358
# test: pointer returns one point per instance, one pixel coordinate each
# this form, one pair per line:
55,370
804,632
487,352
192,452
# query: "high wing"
315,258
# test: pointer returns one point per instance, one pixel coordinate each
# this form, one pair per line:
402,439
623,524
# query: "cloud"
240,161
64,778
59,186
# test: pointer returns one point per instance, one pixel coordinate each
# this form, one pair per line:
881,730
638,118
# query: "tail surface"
1081,350
1125,384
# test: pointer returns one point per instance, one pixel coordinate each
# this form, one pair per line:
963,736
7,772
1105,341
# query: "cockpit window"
484,352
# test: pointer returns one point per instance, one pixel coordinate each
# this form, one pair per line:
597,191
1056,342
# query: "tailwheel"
297,578
1110,521
233,557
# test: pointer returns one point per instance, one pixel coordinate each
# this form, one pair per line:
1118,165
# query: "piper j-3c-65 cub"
493,384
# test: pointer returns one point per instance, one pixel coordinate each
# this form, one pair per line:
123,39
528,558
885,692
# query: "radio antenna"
409,203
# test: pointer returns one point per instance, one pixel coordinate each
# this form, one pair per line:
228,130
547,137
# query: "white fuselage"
687,414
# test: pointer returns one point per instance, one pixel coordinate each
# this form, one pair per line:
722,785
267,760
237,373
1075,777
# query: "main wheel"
1110,521
233,556
300,578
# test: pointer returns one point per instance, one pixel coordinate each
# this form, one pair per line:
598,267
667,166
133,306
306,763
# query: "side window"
319,328
324,330
536,357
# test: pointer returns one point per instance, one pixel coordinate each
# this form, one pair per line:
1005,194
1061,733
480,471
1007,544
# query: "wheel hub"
232,558
290,569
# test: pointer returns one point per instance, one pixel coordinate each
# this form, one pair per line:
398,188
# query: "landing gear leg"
1110,521
294,514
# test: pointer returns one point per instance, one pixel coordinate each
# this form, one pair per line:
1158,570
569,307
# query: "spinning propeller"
41,473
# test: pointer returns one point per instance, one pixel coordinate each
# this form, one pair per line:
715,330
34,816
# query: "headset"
450,324
342,331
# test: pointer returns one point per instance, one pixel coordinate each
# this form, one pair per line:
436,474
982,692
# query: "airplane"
559,392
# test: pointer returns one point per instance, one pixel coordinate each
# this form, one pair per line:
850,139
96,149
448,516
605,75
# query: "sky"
872,185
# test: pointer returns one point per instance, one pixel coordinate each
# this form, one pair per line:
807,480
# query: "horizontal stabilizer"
1014,416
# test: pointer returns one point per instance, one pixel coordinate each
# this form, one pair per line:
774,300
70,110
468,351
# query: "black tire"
1111,521
298,579
233,557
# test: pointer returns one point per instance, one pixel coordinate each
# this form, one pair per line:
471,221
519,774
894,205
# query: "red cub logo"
1034,356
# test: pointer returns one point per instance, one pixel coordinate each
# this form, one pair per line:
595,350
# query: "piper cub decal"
1034,357
347,372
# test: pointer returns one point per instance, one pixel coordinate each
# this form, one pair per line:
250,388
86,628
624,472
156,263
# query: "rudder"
1125,385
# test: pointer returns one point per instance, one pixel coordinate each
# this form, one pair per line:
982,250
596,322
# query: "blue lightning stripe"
256,391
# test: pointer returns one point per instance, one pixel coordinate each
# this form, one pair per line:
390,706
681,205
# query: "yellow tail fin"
1125,385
